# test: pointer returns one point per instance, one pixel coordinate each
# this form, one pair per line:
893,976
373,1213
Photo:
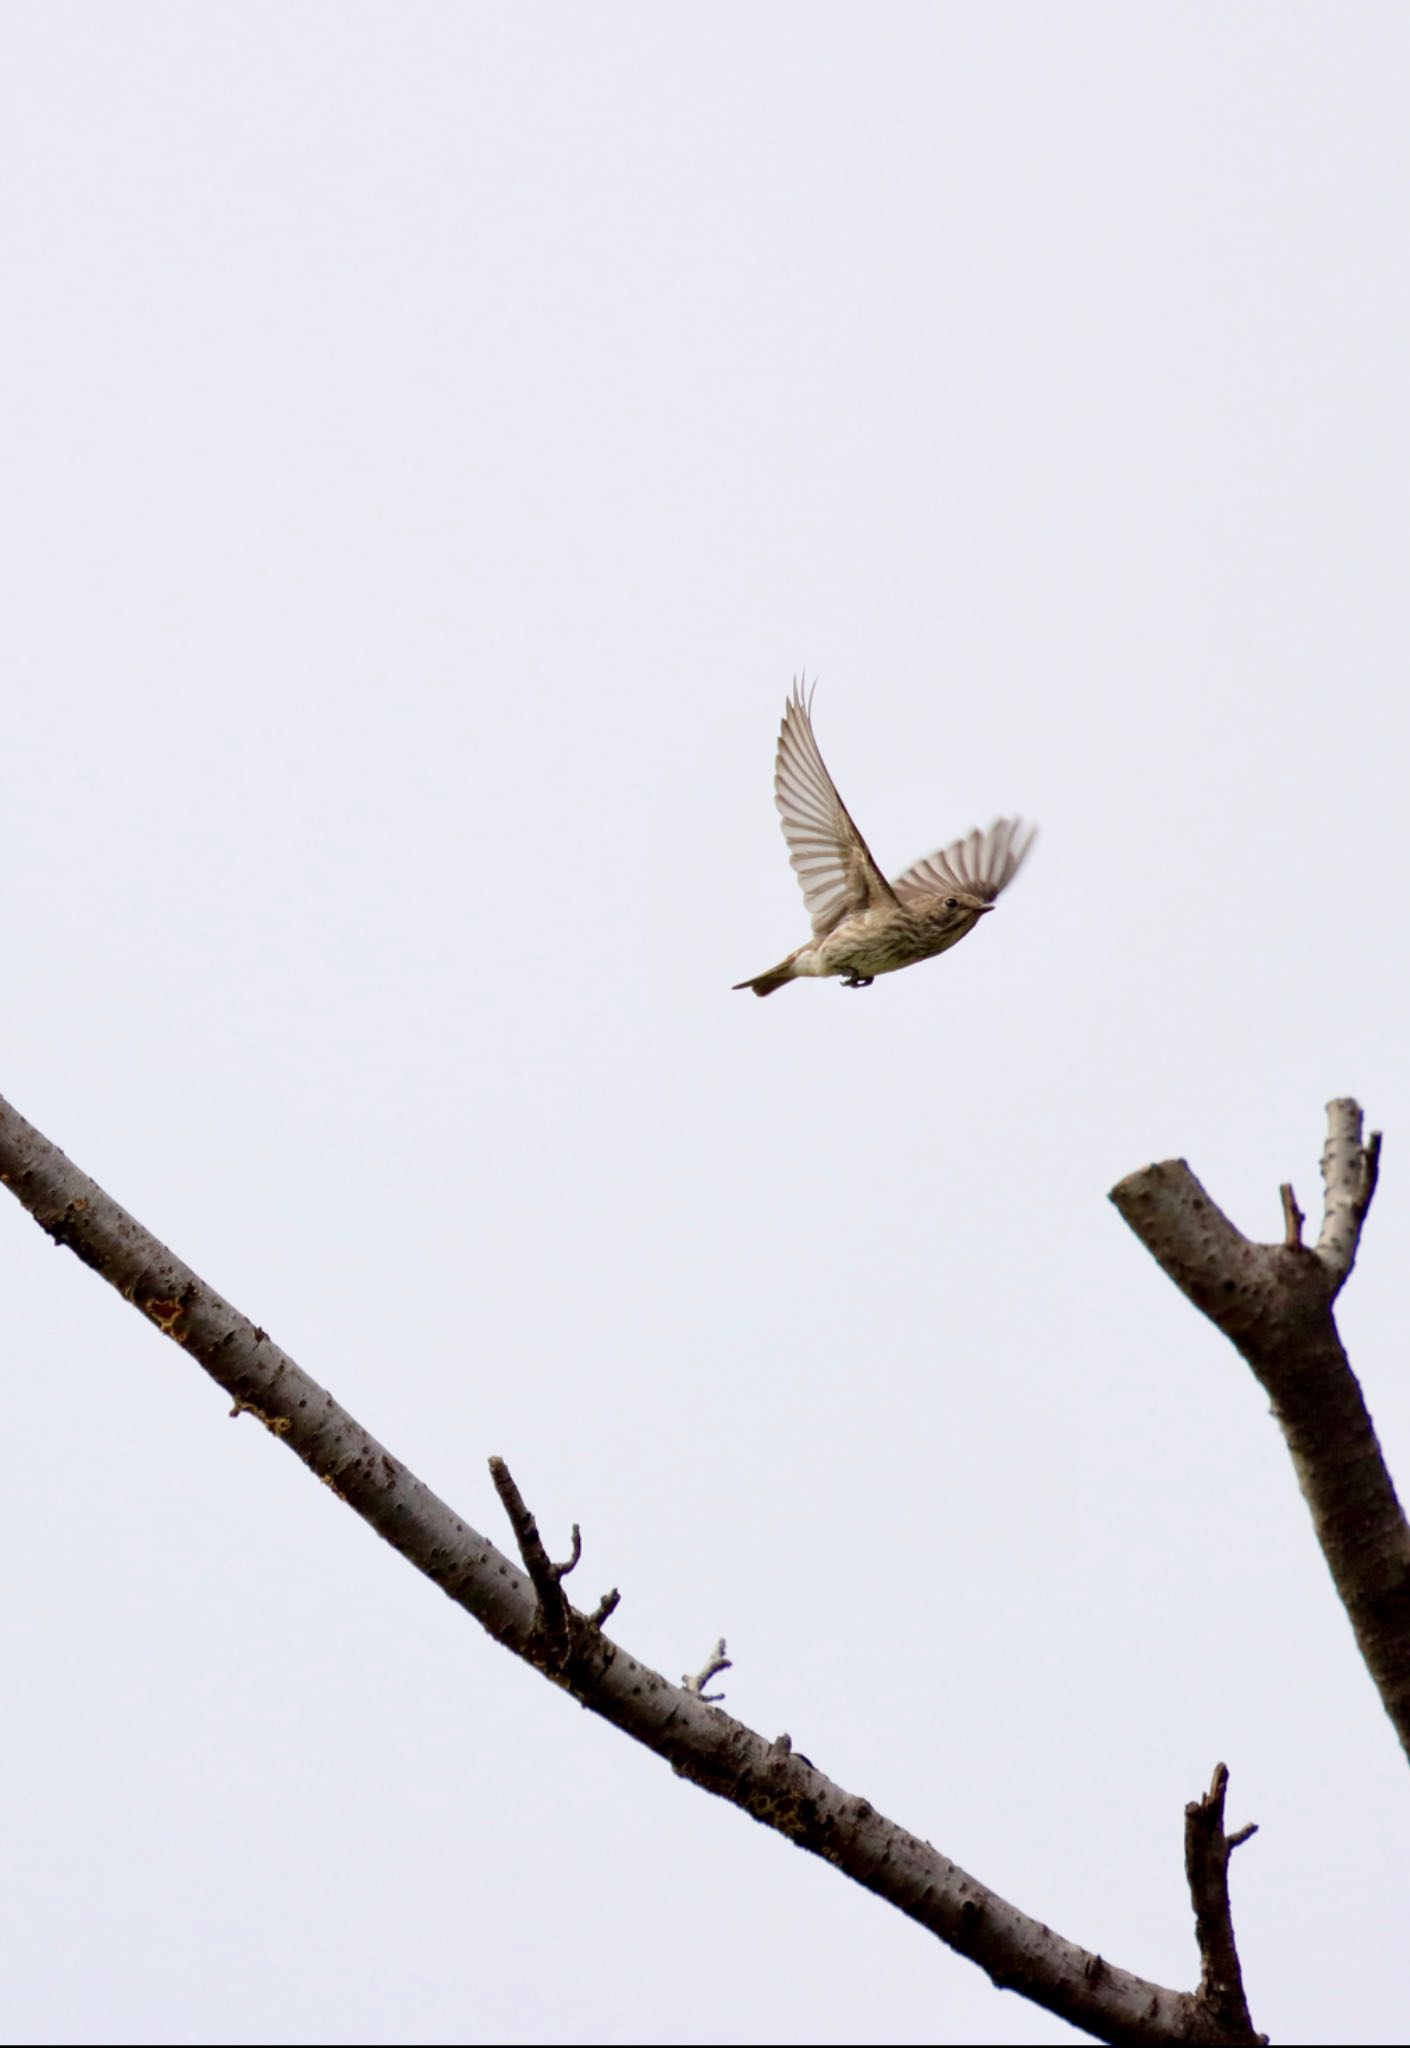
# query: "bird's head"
961,911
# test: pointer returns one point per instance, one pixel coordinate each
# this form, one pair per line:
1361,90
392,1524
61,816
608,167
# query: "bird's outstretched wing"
981,865
829,855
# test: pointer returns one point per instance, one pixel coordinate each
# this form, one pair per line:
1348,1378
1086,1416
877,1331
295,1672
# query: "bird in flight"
864,925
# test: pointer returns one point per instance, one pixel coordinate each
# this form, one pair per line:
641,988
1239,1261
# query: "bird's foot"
855,980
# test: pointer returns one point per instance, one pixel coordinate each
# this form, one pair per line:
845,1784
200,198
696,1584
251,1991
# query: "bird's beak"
985,908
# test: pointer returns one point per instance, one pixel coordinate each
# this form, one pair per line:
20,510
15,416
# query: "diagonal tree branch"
1274,1304
529,1614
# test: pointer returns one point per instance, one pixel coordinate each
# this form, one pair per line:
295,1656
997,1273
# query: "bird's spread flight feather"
981,864
829,855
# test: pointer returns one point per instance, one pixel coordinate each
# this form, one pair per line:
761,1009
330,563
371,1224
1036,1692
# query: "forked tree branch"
528,1612
1274,1304
1207,1852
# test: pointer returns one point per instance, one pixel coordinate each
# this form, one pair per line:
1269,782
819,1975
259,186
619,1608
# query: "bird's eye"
952,902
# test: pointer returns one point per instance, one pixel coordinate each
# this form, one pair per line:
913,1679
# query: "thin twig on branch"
567,1636
547,1578
716,1663
769,1780
1274,1304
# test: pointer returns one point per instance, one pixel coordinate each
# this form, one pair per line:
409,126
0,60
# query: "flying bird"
864,925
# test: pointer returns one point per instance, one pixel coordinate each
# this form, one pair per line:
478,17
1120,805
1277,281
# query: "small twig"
1349,1171
560,1628
1293,1218
574,1558
718,1662
1207,1853
546,1576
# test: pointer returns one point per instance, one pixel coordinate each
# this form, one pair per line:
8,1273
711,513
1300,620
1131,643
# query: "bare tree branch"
1274,1304
769,1780
1207,1853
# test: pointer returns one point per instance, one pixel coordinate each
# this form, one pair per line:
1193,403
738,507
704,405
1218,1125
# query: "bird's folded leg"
855,980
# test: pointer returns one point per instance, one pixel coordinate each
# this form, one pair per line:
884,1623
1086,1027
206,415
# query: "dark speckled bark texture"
766,1779
1274,1304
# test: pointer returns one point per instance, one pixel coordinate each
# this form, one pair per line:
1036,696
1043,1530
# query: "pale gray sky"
434,436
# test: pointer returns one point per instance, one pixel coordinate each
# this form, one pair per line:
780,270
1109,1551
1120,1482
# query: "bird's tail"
765,984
